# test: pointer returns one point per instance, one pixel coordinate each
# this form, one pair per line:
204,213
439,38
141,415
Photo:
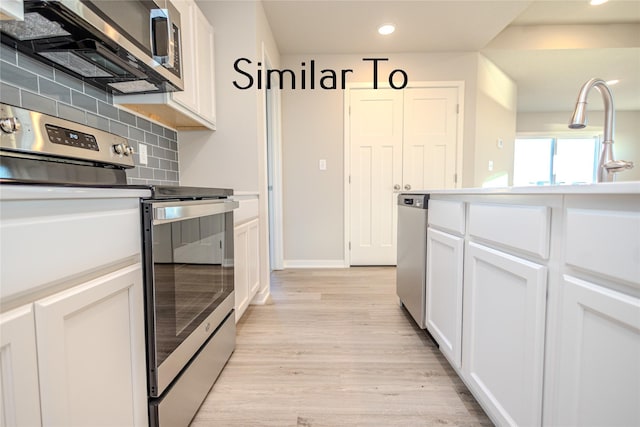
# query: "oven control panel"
60,135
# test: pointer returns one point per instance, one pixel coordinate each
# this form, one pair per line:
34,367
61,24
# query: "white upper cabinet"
193,108
11,9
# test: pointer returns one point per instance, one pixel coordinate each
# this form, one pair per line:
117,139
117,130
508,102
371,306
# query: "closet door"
430,135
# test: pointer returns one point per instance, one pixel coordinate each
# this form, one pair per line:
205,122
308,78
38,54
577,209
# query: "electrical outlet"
142,153
490,165
322,164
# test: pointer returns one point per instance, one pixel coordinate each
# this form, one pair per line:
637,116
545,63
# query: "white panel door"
503,334
430,135
376,166
444,292
19,393
598,357
91,353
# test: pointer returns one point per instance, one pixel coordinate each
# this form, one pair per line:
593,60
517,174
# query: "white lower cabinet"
597,376
91,354
247,262
20,398
444,292
504,332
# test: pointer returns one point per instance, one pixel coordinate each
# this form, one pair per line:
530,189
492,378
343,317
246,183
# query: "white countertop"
630,187
39,192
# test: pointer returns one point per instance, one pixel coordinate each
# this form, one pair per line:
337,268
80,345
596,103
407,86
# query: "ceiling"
511,33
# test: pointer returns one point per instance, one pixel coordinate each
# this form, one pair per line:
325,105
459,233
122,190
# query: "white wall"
626,133
495,120
227,157
313,130
234,156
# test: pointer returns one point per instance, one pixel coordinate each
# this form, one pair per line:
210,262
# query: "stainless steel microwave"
123,46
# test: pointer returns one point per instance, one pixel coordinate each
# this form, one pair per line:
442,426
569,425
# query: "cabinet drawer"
447,215
526,228
46,241
604,242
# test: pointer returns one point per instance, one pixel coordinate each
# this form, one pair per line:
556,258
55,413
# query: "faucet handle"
618,165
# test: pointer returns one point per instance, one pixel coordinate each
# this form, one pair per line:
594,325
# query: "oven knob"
10,124
120,148
128,151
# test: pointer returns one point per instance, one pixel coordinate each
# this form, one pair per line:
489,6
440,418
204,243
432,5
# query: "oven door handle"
164,212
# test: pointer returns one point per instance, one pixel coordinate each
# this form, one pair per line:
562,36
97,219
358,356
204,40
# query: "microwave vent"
76,63
34,27
135,86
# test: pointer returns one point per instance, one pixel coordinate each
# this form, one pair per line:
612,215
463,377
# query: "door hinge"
455,178
349,179
349,245
457,108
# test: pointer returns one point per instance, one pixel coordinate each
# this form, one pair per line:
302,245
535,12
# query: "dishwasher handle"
417,201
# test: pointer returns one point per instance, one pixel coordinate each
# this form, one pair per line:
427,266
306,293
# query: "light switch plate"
142,152
322,164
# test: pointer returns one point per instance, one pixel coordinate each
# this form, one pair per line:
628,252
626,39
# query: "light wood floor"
334,348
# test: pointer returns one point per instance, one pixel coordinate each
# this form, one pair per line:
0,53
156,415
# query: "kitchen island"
533,294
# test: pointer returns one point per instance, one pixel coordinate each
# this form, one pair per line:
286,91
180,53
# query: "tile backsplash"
30,84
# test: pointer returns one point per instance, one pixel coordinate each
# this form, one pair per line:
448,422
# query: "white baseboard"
261,297
315,263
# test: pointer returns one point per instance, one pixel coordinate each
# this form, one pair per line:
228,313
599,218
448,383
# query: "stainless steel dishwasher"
412,254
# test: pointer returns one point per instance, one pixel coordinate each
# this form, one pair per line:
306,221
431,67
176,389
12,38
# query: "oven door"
188,251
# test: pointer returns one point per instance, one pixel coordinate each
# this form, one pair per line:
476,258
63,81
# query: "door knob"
396,187
407,187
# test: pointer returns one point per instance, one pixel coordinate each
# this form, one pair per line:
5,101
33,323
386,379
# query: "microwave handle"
164,212
162,45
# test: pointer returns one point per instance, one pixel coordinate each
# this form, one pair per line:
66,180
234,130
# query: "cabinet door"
204,61
91,353
19,396
189,96
241,268
444,292
503,334
254,258
598,354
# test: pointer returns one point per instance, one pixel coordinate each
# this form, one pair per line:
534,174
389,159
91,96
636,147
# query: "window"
555,160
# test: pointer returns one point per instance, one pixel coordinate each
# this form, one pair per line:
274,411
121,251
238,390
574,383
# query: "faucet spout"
607,166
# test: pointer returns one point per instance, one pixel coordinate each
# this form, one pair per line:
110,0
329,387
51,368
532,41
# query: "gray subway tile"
68,80
173,146
32,101
54,90
119,128
159,174
127,118
164,143
150,138
145,172
137,134
107,110
8,54
83,101
136,181
143,124
37,67
71,113
9,94
173,176
175,166
133,172
153,162
159,152
171,134
97,122
96,92
157,129
17,77
165,164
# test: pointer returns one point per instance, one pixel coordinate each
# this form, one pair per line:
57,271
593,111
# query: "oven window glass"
193,274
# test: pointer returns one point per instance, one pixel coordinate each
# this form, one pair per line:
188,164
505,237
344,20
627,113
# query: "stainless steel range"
187,252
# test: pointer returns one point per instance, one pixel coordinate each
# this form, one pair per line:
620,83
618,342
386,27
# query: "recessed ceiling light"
612,82
597,2
386,29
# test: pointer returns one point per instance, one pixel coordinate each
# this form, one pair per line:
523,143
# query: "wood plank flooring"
334,348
